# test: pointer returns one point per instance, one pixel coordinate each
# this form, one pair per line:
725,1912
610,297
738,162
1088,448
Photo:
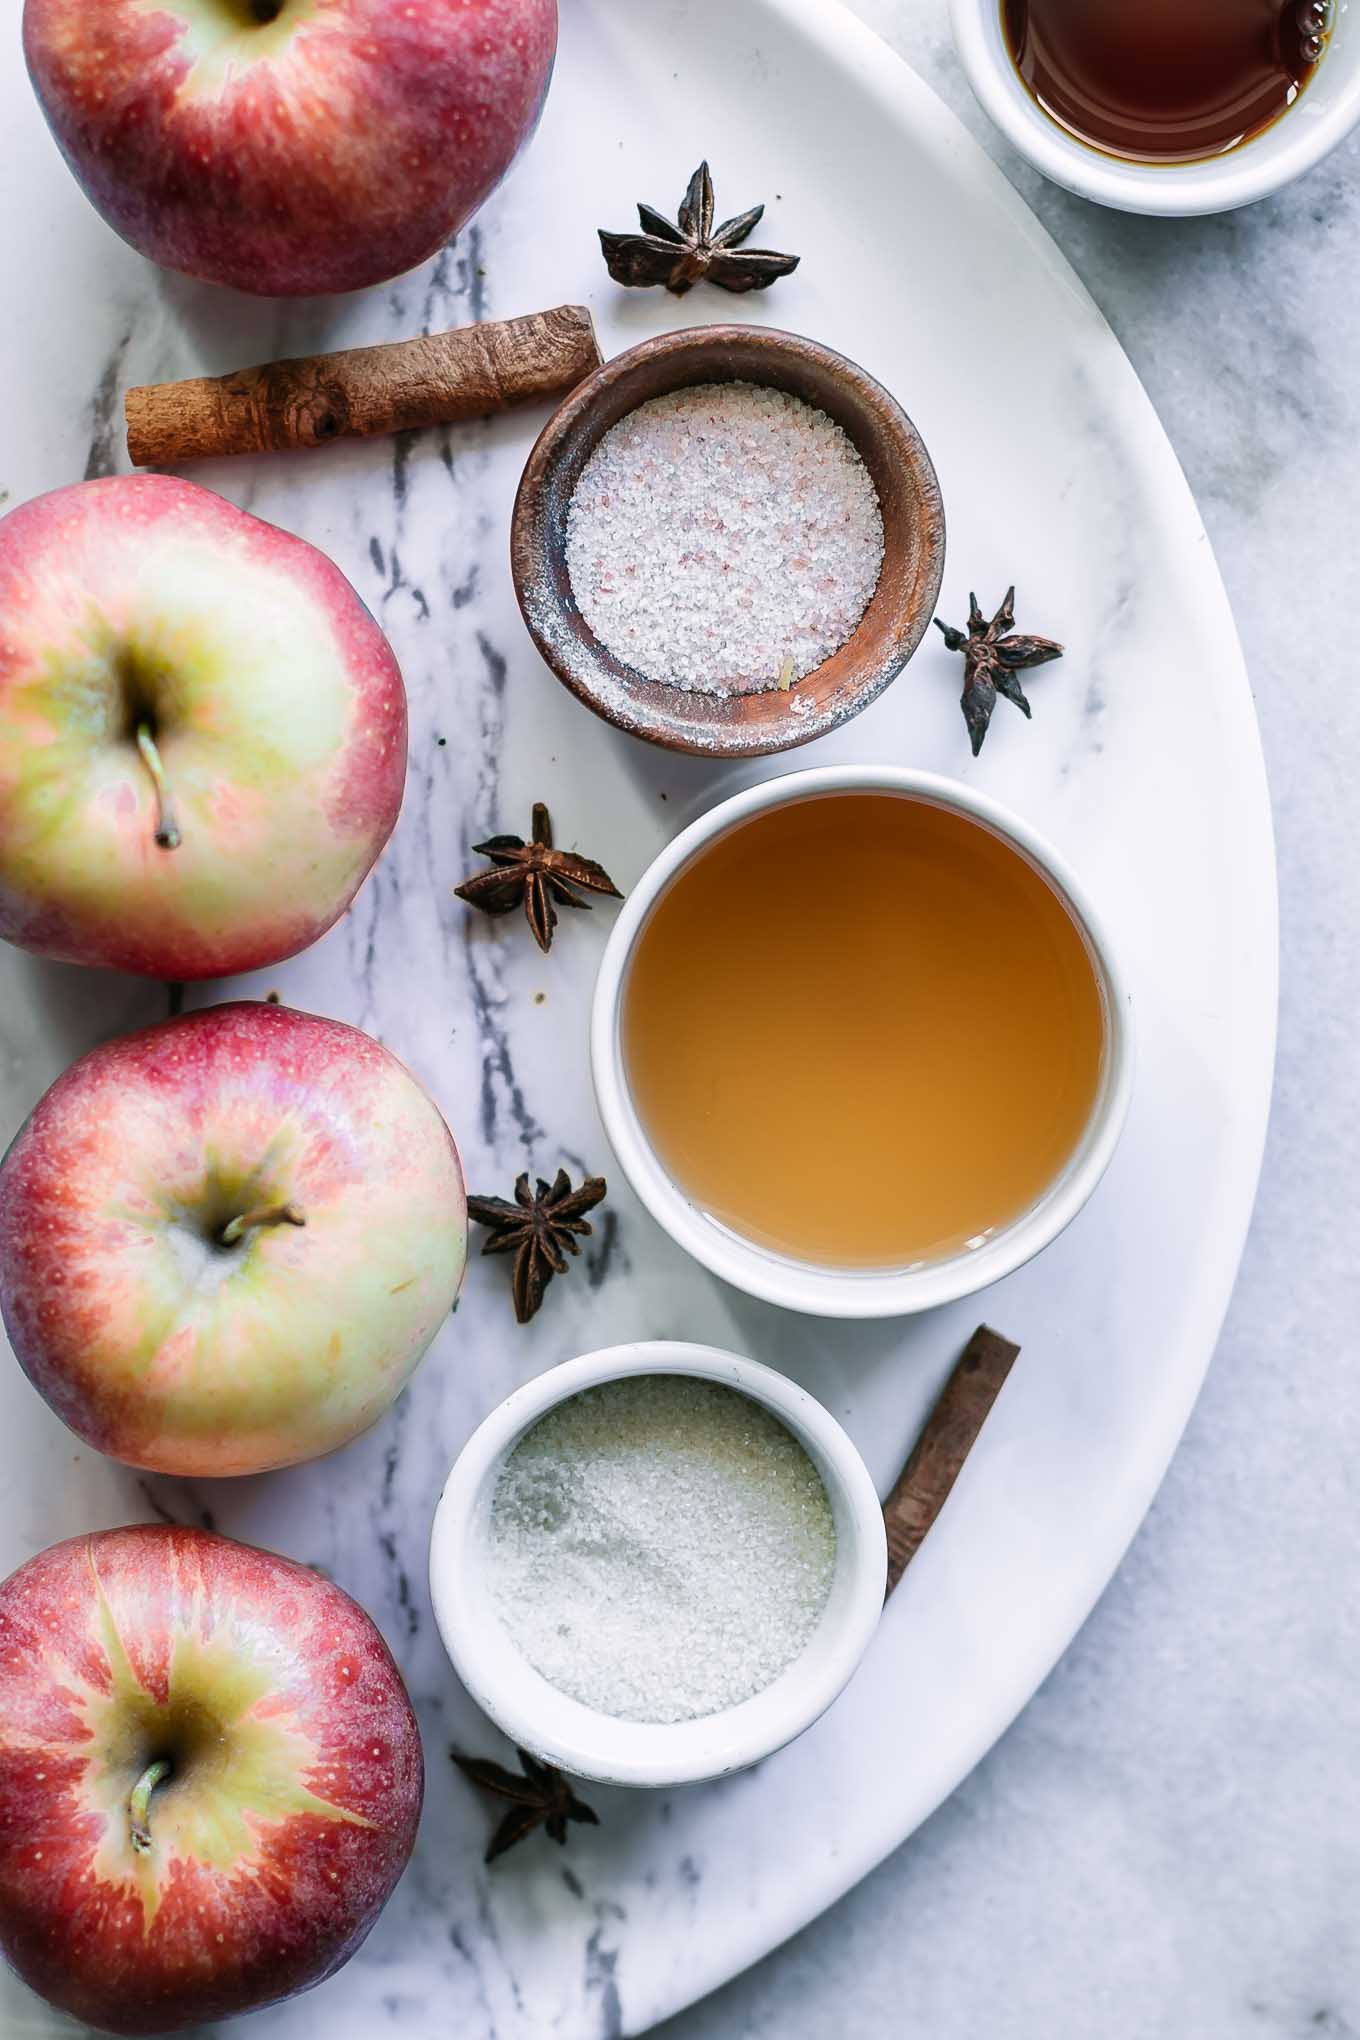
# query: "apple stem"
167,821
261,1214
139,1802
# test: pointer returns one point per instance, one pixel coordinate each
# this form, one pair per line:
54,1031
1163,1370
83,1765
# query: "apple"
227,1240
202,732
289,147
210,1777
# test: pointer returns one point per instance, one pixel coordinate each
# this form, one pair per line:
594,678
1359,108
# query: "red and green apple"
227,1240
210,1777
289,147
202,732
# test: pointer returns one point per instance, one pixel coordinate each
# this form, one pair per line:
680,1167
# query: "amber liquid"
1163,80
863,1031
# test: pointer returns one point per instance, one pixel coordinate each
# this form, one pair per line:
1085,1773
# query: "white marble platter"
1142,764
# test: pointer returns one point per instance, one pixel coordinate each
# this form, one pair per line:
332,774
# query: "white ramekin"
1325,112
552,1725
798,1285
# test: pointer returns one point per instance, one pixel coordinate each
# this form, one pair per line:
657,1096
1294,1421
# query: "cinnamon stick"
949,1435
361,391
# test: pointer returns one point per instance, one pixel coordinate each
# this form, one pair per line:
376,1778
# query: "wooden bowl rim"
886,439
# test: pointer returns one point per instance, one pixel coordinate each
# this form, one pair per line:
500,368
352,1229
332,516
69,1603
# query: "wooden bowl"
734,725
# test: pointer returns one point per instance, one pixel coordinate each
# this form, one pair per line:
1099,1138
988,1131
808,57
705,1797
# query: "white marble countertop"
1161,1845
1166,1845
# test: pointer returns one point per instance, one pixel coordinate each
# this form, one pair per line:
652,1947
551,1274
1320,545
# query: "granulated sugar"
660,1547
717,533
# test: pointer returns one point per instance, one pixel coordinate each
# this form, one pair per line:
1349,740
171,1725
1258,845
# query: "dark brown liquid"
1164,80
863,1030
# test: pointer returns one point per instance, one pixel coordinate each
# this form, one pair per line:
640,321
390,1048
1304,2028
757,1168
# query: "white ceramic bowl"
1325,112
799,1285
578,1739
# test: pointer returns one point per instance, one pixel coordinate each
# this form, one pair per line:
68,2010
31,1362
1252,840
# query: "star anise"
991,660
534,874
541,1798
540,1230
693,250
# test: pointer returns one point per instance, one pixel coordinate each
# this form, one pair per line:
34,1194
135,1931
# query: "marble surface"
1166,1845
1171,1809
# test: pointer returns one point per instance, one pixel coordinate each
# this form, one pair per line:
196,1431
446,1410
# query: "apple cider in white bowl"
860,1042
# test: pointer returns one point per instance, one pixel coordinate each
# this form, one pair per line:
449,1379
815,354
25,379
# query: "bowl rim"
830,1292
1291,145
553,1726
542,610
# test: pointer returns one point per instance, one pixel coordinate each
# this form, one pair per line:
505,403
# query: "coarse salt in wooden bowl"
734,725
